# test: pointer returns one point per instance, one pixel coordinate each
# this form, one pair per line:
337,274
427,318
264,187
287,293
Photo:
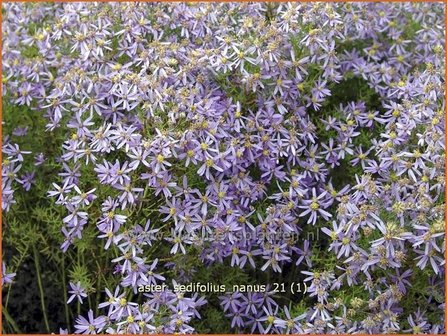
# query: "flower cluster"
250,128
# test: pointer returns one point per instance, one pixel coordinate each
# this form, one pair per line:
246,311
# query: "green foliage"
34,223
80,273
212,321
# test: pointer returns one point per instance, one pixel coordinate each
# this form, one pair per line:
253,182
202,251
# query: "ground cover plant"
223,168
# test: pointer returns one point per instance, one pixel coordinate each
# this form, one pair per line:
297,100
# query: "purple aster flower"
314,207
90,326
7,278
27,180
77,291
20,131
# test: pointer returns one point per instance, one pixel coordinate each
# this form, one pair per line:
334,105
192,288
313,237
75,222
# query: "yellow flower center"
314,206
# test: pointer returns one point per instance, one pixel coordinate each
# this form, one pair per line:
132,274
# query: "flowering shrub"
285,161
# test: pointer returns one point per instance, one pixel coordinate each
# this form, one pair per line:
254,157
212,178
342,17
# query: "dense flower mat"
284,161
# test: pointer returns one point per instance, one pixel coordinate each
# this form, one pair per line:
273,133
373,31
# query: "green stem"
11,321
98,286
39,282
16,271
64,283
89,302
79,263
97,300
7,296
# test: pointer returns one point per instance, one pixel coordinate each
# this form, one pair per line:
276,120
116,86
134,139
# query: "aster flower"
90,326
209,163
83,198
289,324
266,322
61,191
7,278
27,180
314,207
77,291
